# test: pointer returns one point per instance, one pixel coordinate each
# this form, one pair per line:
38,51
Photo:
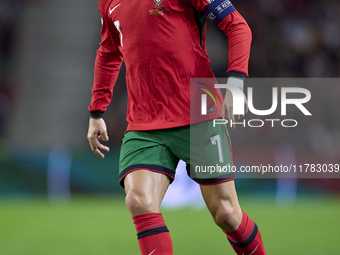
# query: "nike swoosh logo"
253,250
111,10
152,251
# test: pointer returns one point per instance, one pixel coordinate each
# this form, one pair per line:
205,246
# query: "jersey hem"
146,127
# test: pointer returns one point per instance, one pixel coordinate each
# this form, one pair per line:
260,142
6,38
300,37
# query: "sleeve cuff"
236,74
96,115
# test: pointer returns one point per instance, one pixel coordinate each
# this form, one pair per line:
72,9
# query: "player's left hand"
227,108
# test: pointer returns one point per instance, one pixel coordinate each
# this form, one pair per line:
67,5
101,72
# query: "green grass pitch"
103,226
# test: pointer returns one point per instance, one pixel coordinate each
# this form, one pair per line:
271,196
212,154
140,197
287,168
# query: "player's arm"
107,65
228,19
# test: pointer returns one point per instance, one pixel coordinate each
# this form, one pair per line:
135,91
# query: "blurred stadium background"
56,197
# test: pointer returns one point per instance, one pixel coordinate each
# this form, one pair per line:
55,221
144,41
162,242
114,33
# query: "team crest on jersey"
158,10
158,3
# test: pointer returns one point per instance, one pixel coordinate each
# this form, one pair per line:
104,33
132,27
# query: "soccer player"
163,45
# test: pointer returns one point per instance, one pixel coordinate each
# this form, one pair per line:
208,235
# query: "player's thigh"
146,190
145,150
146,169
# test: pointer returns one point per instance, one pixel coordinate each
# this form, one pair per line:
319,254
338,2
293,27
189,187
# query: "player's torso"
150,20
160,30
163,46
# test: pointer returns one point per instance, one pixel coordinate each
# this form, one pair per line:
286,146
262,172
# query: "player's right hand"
97,131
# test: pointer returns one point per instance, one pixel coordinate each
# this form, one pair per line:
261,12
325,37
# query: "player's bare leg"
144,193
221,200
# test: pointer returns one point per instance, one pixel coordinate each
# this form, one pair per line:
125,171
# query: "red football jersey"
163,45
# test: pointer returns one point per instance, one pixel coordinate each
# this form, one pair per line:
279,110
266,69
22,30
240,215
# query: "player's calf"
153,235
246,239
242,232
144,192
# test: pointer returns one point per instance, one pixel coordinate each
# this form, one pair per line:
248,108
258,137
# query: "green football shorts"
204,147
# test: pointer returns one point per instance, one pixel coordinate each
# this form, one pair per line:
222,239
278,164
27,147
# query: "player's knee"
225,216
139,202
